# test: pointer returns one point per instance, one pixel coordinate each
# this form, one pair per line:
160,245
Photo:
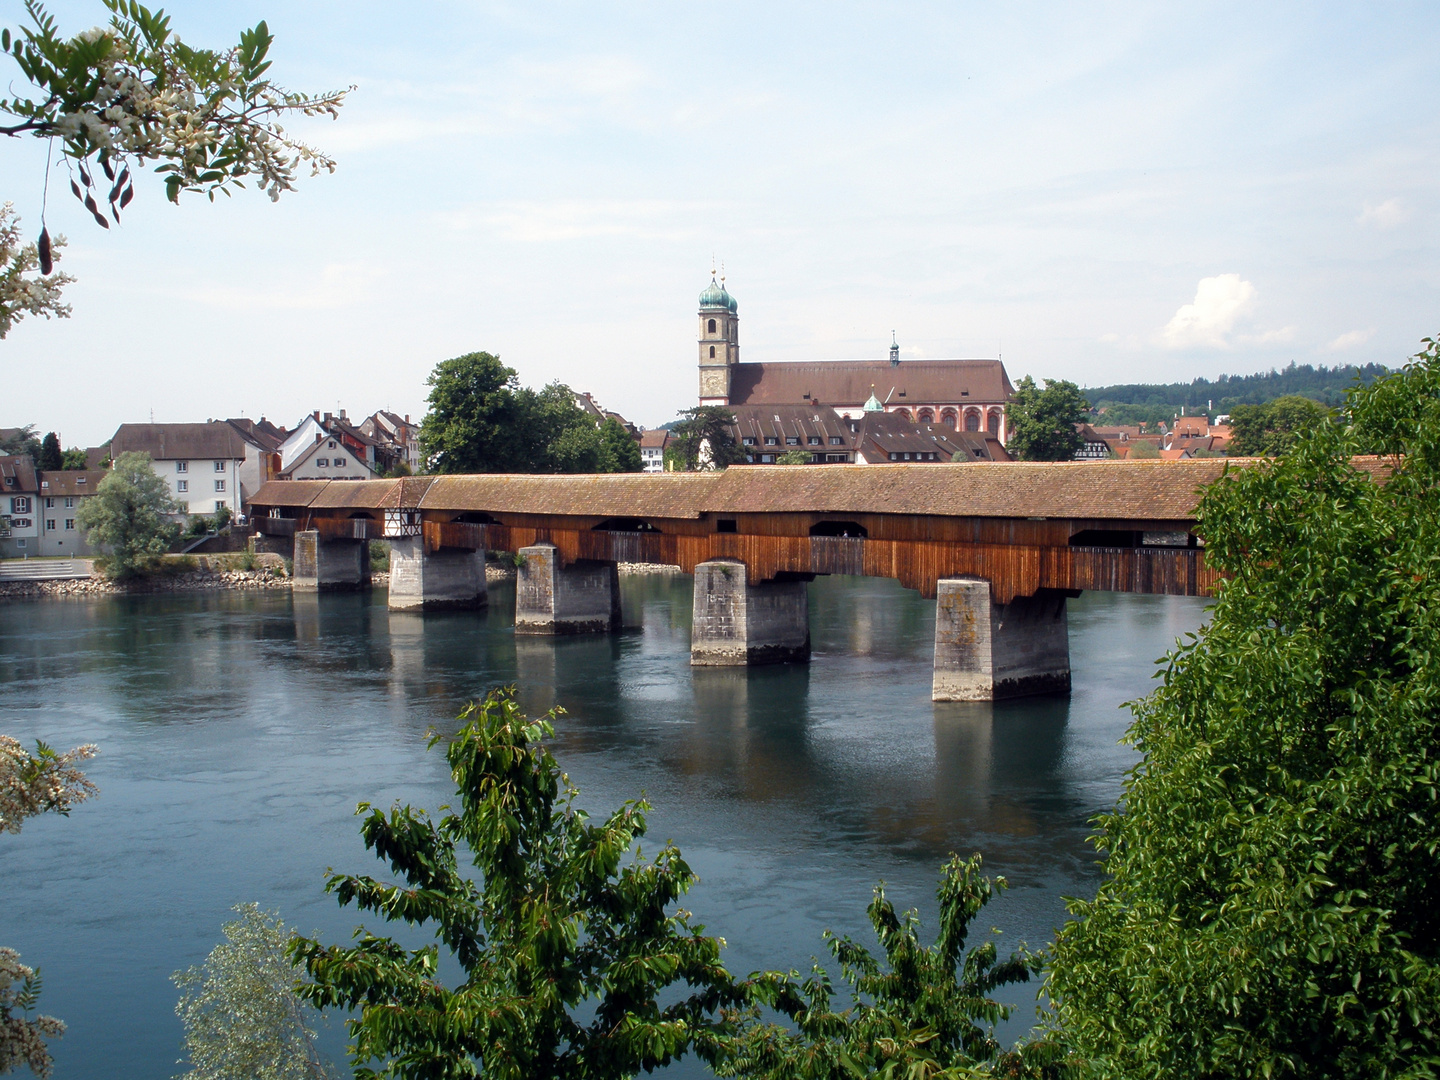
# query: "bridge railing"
464,535
348,529
271,526
837,555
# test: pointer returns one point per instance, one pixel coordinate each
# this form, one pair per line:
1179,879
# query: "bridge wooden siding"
1013,524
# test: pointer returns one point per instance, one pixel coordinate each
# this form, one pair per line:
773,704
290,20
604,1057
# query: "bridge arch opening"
625,524
839,528
472,517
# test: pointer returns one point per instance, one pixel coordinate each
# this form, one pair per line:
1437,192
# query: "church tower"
719,342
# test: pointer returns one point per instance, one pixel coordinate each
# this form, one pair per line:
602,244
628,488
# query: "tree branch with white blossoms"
23,291
132,93
32,784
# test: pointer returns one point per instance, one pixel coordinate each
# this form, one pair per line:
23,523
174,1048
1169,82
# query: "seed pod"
85,176
90,205
100,220
127,195
76,189
46,262
105,164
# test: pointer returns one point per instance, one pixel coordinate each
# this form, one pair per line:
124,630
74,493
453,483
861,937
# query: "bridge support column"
582,598
423,580
736,623
986,651
329,564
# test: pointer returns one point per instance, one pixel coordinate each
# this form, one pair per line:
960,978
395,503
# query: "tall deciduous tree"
1272,900
619,452
1272,428
128,515
705,438
49,458
471,426
573,960
74,458
1042,422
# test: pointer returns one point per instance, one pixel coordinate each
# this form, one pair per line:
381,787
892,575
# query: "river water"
237,731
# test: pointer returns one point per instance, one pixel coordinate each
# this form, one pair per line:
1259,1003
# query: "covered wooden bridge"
999,545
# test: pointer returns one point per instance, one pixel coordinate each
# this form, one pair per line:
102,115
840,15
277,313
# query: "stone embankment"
242,580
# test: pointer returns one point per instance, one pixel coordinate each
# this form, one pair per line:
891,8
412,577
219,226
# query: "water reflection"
239,730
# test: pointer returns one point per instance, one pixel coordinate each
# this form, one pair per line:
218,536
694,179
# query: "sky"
1099,192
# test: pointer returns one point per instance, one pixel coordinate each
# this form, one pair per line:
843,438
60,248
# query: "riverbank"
242,580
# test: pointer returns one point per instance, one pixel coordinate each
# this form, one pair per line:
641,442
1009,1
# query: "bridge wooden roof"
1144,490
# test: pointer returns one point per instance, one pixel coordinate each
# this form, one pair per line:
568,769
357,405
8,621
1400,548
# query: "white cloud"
339,285
1385,215
1270,337
1219,302
1109,339
1350,340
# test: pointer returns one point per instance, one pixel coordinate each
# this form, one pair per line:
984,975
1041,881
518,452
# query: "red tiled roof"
849,382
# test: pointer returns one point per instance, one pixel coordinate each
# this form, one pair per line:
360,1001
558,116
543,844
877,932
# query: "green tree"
49,458
557,435
794,457
1271,906
705,438
21,441
927,1011
74,458
471,426
619,452
1272,428
1042,422
128,515
243,1019
1143,450
574,963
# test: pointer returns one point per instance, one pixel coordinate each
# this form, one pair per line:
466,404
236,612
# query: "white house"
203,464
327,448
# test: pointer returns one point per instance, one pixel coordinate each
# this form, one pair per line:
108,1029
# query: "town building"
62,493
206,466
19,507
327,447
963,395
397,438
767,432
652,449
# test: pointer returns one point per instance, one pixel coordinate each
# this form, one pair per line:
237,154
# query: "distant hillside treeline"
1135,403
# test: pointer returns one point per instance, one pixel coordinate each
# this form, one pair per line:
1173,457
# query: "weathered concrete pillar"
435,580
736,623
582,598
986,651
330,564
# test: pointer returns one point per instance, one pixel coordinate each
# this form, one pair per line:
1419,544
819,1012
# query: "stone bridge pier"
323,564
736,623
552,599
986,651
420,580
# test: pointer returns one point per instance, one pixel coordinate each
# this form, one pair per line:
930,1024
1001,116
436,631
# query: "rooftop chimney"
317,416
342,414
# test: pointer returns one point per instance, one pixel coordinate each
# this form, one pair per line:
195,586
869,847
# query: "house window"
339,461
69,502
219,485
182,485
767,459
332,445
835,457
712,330
813,440
836,440
219,466
792,440
79,479
69,524
49,504
49,524
182,466
771,440
19,543
322,462
748,440
219,503
19,504
21,523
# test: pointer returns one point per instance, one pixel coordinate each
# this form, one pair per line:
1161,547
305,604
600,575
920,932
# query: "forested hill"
1135,402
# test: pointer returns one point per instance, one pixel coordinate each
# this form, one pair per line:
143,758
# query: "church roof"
848,382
